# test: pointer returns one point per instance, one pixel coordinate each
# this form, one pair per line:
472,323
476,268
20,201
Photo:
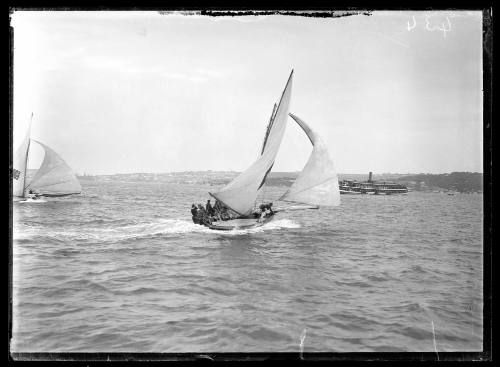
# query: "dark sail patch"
265,176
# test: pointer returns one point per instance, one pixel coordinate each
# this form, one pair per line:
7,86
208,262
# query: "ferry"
370,187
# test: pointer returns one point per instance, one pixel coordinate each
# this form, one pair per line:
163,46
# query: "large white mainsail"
54,177
240,194
318,183
19,165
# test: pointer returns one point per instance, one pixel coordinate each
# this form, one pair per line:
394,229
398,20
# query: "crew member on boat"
264,211
271,212
262,216
200,214
205,218
221,211
209,209
193,213
257,213
32,195
216,216
217,206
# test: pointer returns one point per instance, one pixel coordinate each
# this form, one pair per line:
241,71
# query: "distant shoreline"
465,182
276,174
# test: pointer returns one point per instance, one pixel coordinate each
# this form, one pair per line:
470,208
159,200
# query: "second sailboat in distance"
53,178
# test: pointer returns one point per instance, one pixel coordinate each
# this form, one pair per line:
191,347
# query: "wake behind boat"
34,200
236,203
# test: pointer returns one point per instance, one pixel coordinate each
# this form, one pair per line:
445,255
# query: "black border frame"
320,11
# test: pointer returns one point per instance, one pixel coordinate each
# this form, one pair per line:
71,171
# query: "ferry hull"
348,192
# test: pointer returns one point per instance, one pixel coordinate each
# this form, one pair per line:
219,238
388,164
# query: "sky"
125,92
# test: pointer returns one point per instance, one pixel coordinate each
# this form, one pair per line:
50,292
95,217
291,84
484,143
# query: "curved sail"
19,166
54,177
240,194
318,183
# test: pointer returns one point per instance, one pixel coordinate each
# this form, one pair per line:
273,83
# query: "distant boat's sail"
19,165
317,184
54,177
240,194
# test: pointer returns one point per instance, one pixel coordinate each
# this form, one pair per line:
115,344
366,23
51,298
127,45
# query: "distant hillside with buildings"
455,181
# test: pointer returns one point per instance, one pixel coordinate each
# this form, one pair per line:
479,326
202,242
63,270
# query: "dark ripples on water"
122,268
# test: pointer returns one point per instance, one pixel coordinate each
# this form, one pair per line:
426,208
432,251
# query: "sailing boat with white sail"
240,194
53,178
316,185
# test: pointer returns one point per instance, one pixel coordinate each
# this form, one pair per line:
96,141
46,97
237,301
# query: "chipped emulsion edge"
300,13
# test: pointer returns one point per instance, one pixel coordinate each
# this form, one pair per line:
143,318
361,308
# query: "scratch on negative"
392,39
434,339
302,338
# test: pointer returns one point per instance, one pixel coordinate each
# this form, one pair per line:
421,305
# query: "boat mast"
268,129
26,159
275,110
269,126
241,192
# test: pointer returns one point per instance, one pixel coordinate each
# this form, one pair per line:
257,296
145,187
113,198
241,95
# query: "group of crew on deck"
32,195
208,214
264,210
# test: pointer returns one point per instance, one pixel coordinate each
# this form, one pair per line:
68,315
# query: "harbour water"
122,268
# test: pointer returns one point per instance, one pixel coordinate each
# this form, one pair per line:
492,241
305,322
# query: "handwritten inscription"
412,26
431,24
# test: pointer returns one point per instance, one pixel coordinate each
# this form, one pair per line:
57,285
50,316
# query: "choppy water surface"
123,268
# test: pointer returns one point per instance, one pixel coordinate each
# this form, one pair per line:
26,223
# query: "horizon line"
231,171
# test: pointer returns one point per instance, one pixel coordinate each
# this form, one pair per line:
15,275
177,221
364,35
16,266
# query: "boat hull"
391,192
349,192
33,201
235,224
